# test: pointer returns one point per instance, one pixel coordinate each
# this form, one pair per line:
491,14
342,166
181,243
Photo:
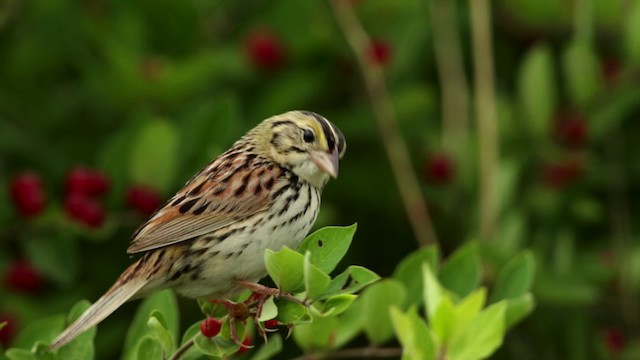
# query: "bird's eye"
308,136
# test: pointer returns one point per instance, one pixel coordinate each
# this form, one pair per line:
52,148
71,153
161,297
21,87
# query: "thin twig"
486,115
453,81
355,353
385,115
183,349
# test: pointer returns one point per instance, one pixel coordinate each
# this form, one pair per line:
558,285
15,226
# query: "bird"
208,240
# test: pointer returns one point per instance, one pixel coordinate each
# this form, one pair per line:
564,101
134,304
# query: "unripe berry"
210,327
143,198
27,194
22,277
440,169
379,52
84,210
265,50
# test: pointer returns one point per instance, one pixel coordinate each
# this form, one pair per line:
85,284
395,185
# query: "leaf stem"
396,149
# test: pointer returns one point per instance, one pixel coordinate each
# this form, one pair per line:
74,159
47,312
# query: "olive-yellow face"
305,142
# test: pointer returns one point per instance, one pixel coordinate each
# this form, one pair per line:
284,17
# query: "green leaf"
82,346
163,302
433,292
269,310
328,246
56,256
581,72
352,280
537,89
318,335
154,155
44,329
414,335
315,281
378,298
337,304
285,268
149,348
290,312
515,278
410,266
20,354
42,351
461,272
632,34
157,326
216,346
443,320
518,308
350,323
482,336
272,348
469,307
241,328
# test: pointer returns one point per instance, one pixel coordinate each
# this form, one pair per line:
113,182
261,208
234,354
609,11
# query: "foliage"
147,99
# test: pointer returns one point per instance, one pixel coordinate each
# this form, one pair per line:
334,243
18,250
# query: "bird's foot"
257,299
265,292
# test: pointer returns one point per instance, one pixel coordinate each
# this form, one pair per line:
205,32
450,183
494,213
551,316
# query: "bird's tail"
127,286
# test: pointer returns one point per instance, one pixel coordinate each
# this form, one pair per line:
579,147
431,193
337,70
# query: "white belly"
240,256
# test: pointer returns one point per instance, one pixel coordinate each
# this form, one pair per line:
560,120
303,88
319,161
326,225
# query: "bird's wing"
234,187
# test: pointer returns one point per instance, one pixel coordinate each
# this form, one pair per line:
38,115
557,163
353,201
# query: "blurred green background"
145,93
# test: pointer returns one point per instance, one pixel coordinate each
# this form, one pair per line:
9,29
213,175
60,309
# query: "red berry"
85,181
380,52
143,198
22,277
271,324
614,339
247,344
84,210
571,129
560,174
265,49
8,331
210,327
27,194
440,169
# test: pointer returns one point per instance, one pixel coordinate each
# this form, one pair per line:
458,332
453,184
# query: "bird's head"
304,142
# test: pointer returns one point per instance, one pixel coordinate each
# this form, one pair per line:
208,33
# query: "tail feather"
119,293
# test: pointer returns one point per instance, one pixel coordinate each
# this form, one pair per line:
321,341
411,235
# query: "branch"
453,80
394,145
486,114
355,353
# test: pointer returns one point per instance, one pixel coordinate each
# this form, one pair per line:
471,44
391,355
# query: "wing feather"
231,189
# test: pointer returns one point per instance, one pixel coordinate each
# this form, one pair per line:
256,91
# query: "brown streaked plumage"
262,193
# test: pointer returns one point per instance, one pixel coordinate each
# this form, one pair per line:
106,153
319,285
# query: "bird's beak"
327,162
